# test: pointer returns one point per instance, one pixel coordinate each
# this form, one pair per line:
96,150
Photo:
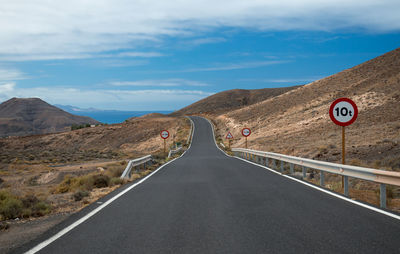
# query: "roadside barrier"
136,163
369,174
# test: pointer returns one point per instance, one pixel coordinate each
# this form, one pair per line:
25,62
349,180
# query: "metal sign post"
164,135
343,145
229,137
343,112
246,132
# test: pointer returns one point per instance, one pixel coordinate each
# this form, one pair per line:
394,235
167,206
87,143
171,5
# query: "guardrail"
222,144
172,152
134,163
374,175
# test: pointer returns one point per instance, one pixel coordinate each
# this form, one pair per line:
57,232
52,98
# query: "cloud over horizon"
109,98
35,30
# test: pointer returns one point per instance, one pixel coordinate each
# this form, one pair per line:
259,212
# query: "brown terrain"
27,116
51,176
227,101
297,122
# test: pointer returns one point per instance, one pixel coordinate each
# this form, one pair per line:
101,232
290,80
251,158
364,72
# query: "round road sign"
229,135
343,112
164,134
246,132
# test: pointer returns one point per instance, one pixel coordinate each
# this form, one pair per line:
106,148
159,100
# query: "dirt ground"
23,231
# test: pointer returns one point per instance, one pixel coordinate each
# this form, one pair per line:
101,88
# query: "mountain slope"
232,99
34,116
297,122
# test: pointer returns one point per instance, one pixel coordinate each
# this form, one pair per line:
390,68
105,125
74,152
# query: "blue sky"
164,55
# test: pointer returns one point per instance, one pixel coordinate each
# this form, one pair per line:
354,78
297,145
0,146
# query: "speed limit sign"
343,112
164,134
246,132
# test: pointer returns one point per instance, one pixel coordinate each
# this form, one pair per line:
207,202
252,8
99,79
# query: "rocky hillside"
20,117
232,99
136,137
297,122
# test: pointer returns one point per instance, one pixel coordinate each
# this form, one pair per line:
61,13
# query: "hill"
231,100
297,121
27,116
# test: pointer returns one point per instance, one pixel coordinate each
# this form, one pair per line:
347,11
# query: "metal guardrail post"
322,178
282,167
291,168
304,172
346,186
383,195
266,162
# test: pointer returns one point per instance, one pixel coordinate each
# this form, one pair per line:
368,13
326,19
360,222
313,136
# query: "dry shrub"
116,181
12,207
86,182
80,194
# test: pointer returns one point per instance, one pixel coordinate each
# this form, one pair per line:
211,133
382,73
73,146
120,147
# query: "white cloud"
159,83
61,56
11,74
139,54
284,80
146,99
77,29
6,88
235,66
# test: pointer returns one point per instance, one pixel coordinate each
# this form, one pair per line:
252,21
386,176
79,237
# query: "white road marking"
327,192
375,209
87,216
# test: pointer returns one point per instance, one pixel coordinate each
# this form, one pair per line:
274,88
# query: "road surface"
207,202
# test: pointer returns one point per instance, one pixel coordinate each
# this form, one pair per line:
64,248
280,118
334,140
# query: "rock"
298,175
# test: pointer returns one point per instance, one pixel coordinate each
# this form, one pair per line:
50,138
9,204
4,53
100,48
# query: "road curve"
207,202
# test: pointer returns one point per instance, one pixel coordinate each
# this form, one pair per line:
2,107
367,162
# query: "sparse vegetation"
80,194
85,183
12,206
79,126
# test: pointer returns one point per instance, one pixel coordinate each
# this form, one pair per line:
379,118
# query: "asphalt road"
207,202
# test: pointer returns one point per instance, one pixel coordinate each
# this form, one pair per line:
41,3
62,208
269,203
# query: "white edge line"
87,216
191,139
215,142
326,191
313,186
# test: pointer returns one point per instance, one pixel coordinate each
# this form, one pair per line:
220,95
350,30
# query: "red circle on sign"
247,134
162,134
332,108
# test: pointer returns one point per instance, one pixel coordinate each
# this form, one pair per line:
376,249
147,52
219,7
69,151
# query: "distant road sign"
229,135
343,111
164,134
246,132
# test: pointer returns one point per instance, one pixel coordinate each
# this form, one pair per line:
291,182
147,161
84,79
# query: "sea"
114,116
